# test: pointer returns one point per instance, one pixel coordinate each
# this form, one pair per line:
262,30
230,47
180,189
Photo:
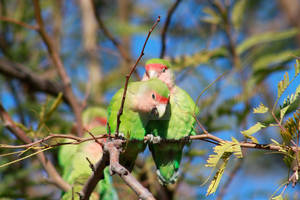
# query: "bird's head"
153,98
159,68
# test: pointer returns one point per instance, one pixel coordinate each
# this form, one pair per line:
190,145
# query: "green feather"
76,169
177,123
133,123
159,61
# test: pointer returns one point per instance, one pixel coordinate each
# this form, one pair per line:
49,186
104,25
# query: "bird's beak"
161,109
152,74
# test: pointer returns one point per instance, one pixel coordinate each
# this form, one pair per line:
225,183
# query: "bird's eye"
164,69
153,96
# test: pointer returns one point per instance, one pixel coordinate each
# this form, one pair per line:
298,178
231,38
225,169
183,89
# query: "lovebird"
145,101
76,168
177,123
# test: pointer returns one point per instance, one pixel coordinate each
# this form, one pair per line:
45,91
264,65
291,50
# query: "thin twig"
166,26
10,20
33,80
78,140
129,75
93,180
123,52
20,134
59,66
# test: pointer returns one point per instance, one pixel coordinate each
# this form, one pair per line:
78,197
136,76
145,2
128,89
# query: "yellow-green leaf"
238,12
264,38
279,197
297,67
253,129
212,17
261,109
288,101
217,178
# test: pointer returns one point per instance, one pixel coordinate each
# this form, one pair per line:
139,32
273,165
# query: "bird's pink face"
160,71
152,102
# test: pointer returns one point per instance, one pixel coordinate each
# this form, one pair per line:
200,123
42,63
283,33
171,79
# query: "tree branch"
10,20
130,73
166,26
20,134
111,150
93,180
123,52
59,66
22,73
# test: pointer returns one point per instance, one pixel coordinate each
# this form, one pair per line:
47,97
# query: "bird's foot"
120,136
153,139
187,140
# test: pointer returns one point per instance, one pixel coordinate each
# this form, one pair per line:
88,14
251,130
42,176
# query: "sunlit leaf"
217,178
264,38
288,101
198,58
279,197
253,129
238,12
274,58
212,17
261,109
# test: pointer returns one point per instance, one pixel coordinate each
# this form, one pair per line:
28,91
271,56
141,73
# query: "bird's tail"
167,160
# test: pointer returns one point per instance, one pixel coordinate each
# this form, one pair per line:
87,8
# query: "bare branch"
205,137
166,26
130,73
59,66
19,133
123,52
22,73
112,149
97,175
7,19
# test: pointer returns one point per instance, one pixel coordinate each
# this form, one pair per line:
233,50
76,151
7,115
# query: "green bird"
145,100
177,123
73,159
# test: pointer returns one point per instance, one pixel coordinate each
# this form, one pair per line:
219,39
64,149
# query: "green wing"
178,122
76,169
132,126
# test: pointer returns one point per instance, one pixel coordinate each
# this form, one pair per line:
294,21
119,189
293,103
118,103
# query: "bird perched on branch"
177,123
145,100
76,159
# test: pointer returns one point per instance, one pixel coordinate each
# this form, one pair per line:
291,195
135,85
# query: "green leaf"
212,17
217,178
198,58
274,58
261,109
222,150
238,12
279,197
297,67
46,114
288,101
253,129
283,84
265,38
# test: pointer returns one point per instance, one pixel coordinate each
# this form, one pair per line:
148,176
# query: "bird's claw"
120,136
187,139
153,139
